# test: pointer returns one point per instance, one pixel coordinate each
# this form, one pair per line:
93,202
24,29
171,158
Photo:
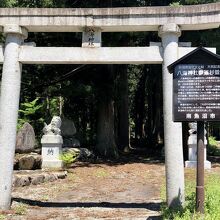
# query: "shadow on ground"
154,218
150,206
124,159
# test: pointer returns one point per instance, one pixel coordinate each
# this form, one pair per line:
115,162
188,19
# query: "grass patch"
20,209
212,201
2,217
71,177
101,173
45,198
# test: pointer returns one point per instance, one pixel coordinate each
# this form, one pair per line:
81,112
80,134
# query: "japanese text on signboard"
196,90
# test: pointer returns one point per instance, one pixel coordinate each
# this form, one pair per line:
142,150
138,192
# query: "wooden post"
200,195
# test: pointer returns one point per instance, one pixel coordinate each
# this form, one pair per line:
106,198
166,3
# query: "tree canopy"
112,106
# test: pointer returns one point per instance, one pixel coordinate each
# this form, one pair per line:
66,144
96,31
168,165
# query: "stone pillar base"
51,150
52,164
193,164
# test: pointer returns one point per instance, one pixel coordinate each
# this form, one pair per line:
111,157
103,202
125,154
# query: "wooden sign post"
200,194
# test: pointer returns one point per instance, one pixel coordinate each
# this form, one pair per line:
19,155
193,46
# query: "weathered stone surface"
16,164
51,150
54,127
102,55
68,128
112,19
172,131
26,162
70,142
52,144
38,161
26,178
21,181
25,140
72,150
29,162
85,154
50,177
35,180
91,37
61,175
192,145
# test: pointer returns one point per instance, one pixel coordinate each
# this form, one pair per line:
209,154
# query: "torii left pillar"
10,94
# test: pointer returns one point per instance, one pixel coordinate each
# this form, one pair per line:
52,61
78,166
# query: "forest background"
113,106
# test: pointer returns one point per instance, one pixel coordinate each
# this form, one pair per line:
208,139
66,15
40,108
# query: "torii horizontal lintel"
193,17
102,55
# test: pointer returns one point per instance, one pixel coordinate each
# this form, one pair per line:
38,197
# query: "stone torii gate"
15,23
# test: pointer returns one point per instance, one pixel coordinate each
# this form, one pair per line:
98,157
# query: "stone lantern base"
51,150
192,145
193,164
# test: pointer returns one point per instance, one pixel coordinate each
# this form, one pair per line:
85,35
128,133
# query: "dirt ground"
129,189
123,190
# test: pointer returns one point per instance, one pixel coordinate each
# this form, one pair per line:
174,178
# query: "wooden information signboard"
196,92
196,97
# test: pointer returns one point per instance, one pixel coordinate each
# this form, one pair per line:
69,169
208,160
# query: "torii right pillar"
174,164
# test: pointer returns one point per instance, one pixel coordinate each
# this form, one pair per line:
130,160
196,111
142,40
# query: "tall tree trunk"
154,121
123,123
140,109
105,125
92,122
105,130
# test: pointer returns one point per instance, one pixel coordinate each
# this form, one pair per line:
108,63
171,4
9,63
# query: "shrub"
20,209
27,111
212,148
68,157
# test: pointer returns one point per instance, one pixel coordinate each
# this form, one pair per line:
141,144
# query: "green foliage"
7,3
30,108
54,105
27,111
175,4
196,2
68,157
96,3
33,3
2,217
212,148
20,209
212,201
186,213
212,141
